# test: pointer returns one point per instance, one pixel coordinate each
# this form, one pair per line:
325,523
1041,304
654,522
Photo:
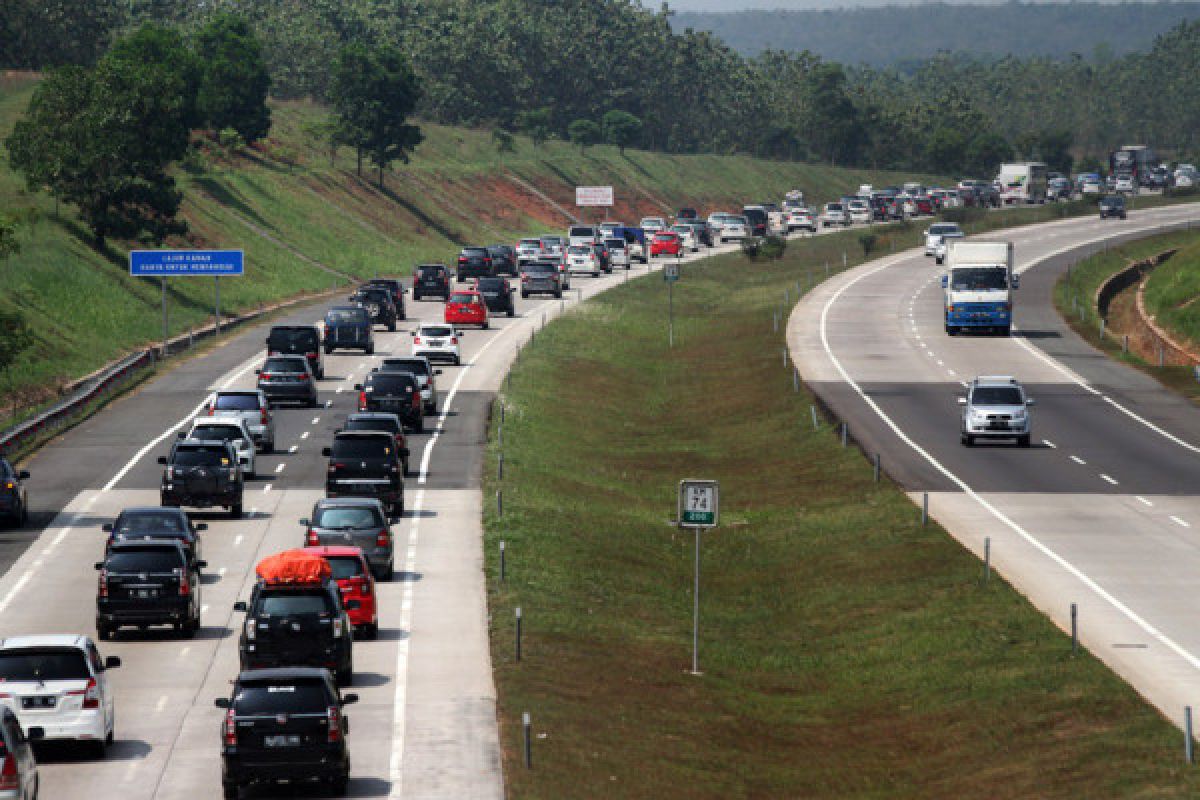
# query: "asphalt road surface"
1103,511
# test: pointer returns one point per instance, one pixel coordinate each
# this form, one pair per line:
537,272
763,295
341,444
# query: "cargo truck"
978,286
1023,182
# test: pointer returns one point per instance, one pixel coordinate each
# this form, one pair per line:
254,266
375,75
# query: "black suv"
396,392
155,522
297,625
380,421
505,258
366,464
151,582
757,219
202,474
475,262
14,500
284,724
431,280
396,289
497,294
378,302
1112,205
298,340
349,327
287,379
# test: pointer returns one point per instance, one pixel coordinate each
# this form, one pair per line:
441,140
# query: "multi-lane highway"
1104,510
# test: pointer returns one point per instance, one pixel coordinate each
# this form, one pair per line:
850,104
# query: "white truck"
1023,182
978,286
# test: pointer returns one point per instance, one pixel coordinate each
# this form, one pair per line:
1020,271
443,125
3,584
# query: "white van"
582,234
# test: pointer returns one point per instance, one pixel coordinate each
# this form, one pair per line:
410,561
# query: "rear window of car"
579,250
614,244
385,424
220,433
284,365
531,242
352,447
236,402
491,284
996,396
200,456
463,297
280,697
338,316
284,604
539,268
378,294
148,521
354,517
664,237
437,330
345,567
475,252
428,272
583,231
390,382
43,664
293,338
417,366
158,559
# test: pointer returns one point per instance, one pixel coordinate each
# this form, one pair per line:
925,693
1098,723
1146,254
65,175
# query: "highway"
1103,511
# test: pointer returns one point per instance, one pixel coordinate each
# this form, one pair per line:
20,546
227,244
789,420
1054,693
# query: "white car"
618,252
1125,185
529,250
1185,180
582,234
652,225
437,342
250,406
731,226
834,214
1092,187
801,219
553,245
227,429
938,233
687,236
59,683
582,258
858,212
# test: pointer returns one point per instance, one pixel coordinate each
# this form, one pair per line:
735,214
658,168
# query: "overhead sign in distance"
594,196
163,263
698,504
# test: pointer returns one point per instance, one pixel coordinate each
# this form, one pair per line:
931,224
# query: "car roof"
151,509
348,502
44,640
360,434
190,443
373,415
996,380
135,544
335,550
276,673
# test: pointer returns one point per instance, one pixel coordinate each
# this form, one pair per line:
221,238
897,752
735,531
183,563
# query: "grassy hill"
308,222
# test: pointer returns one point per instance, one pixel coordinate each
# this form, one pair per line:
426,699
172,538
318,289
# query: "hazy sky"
804,5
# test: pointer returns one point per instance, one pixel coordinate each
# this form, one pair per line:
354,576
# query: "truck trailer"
978,286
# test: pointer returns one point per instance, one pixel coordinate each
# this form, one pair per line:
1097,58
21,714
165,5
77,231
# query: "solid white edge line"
1180,522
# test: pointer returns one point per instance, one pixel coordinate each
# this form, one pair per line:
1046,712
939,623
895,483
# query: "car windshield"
200,456
582,232
43,664
148,521
282,339
833,207
390,382
996,396
1114,201
220,433
286,604
578,250
284,365
386,424
664,237
977,279
437,330
340,316
428,272
345,567
355,517
463,297
236,402
378,295
156,560
352,447
290,697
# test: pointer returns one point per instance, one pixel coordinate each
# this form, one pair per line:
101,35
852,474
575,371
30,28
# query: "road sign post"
595,196
698,508
162,264
670,275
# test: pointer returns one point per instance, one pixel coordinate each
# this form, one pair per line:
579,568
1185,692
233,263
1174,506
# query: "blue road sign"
161,263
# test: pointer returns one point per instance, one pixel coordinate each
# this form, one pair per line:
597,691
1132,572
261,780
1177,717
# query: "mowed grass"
846,651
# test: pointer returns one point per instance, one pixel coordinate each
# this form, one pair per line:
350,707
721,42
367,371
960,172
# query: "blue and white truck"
978,286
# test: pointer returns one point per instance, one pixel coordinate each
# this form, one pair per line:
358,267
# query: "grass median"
846,651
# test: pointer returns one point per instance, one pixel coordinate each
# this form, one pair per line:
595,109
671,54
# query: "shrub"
868,242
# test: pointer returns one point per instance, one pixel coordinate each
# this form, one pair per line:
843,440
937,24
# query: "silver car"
358,522
995,407
227,429
18,767
251,407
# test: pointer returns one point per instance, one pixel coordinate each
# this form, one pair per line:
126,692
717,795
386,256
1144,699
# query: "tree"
986,152
536,124
15,339
8,237
375,91
620,128
234,83
169,50
584,133
946,150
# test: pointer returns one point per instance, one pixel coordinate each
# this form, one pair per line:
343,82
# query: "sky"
803,5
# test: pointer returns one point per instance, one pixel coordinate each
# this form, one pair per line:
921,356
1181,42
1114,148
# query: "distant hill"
896,34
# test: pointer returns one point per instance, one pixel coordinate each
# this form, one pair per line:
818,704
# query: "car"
732,226
834,214
14,497
504,259
924,205
426,376
140,523
609,228
466,307
349,327
431,280
618,252
553,245
666,243
497,294
1092,186
582,258
354,522
652,225
995,407
635,243
58,682
251,407
582,235
701,231
474,262
687,237
377,300
297,619
436,343
938,233
1125,184
285,724
858,212
288,379
529,250
355,581
1112,205
18,764
202,474
756,218
1058,189
299,340
541,277
396,393
382,421
601,252
800,219
366,464
149,582
229,429
395,290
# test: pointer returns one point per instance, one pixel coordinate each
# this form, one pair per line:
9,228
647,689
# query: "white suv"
437,341
995,407
834,214
227,429
59,683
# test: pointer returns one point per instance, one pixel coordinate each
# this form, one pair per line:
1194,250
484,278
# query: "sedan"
466,307
436,342
666,243
497,295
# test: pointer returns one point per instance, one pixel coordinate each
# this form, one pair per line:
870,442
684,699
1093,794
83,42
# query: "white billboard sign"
594,196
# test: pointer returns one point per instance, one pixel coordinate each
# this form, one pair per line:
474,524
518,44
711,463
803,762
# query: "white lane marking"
1180,522
245,367
1111,480
328,403
293,449
1000,516
304,435
1143,500
1078,460
316,420
204,608
183,651
1049,444
151,445
161,704
279,468
222,571
339,390
266,488
238,539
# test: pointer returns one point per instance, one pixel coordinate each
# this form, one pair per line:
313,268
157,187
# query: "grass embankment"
846,651
288,206
1170,296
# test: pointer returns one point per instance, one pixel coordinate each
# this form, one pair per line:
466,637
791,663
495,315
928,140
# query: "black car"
202,474
144,583
1112,205
504,257
286,724
377,300
687,214
431,280
603,257
349,327
155,522
542,277
381,421
298,340
757,219
14,500
396,290
701,231
475,262
366,464
297,625
398,393
426,375
288,379
497,295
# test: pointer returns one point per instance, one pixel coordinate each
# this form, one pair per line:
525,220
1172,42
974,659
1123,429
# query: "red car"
353,576
467,307
924,204
666,244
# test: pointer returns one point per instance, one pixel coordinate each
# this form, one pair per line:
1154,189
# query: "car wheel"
100,747
328,349
391,326
269,447
485,325
105,632
512,312
385,574
345,676
1023,441
235,510
230,791
337,786
370,349
370,633
967,439
524,295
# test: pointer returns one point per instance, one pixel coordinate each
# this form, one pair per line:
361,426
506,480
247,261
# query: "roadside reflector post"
845,434
775,321
826,269
1188,751
502,412
1125,343
1101,329
1074,629
503,565
844,261
785,356
518,633
987,559
924,509
877,467
787,296
816,422
500,467
1162,356
499,504
526,727
795,379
